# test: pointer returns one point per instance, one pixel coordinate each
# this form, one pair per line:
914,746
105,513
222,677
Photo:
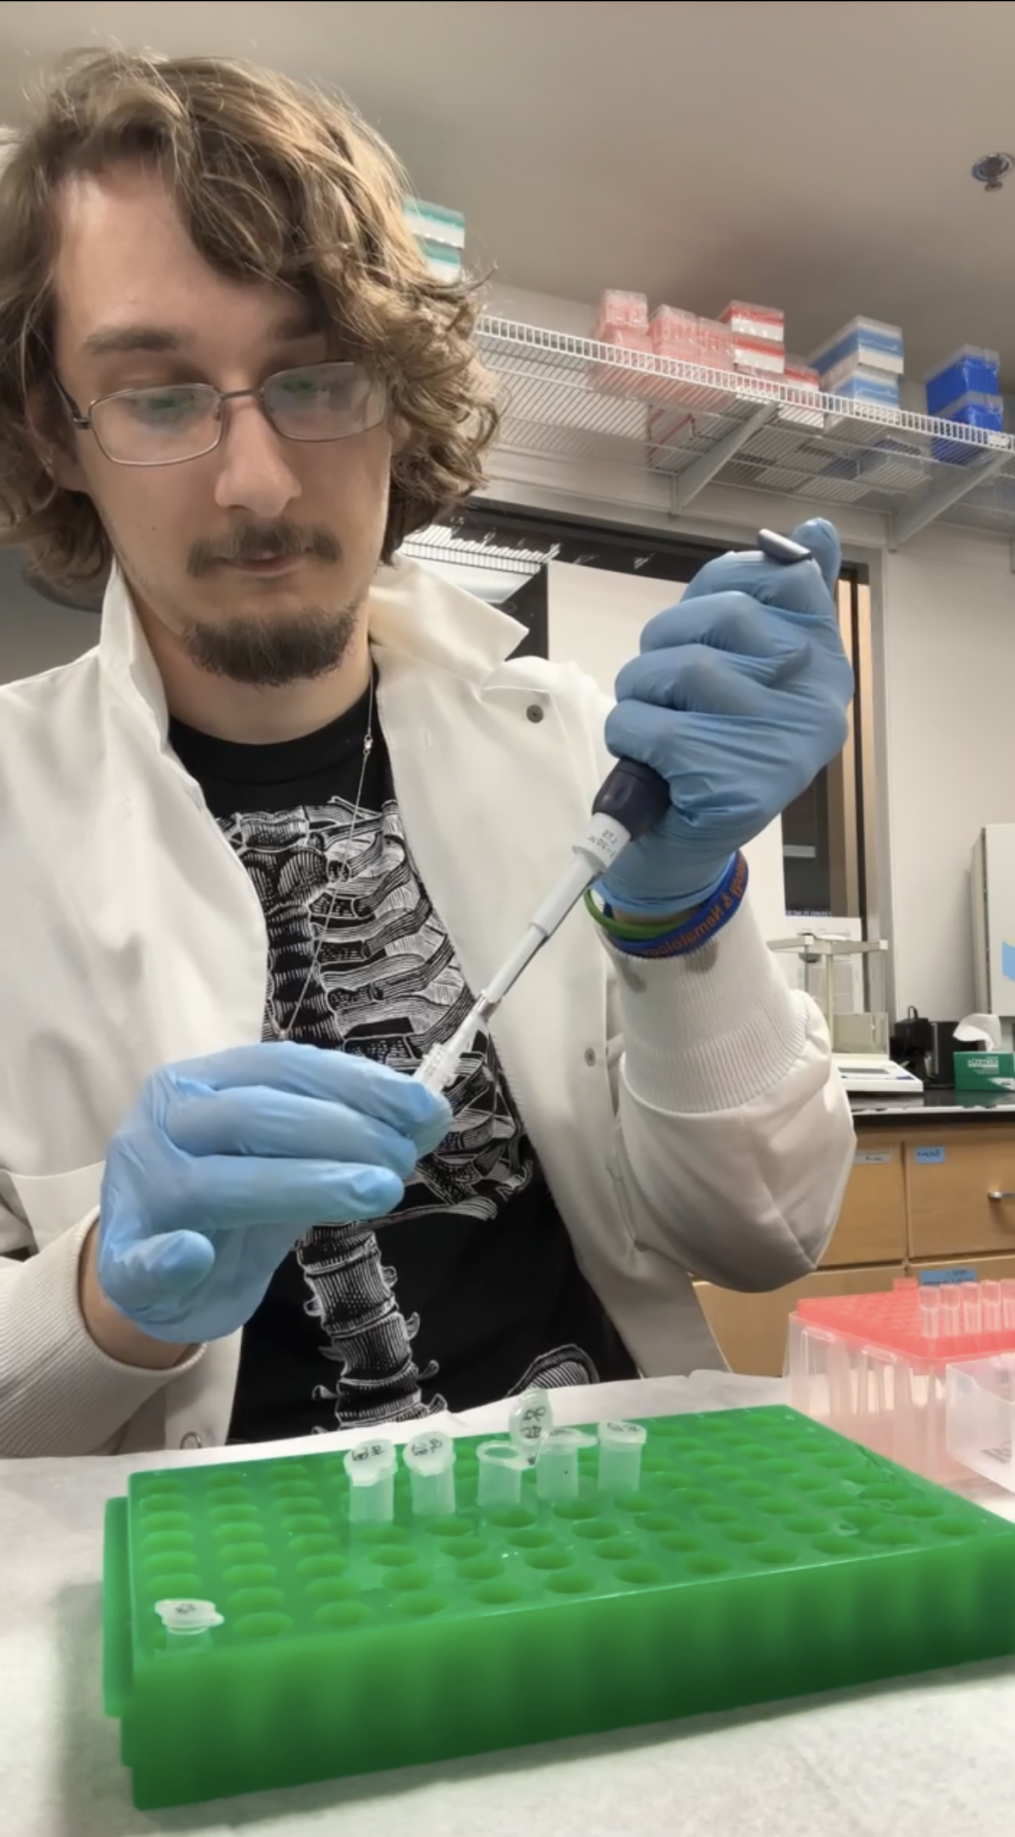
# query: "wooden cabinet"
988,1269
751,1329
918,1198
872,1222
950,1179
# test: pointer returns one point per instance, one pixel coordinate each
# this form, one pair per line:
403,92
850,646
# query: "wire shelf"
569,399
440,542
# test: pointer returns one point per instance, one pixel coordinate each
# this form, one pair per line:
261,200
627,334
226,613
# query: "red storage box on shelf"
621,312
625,378
746,321
758,355
680,337
804,381
675,334
874,1367
715,343
622,323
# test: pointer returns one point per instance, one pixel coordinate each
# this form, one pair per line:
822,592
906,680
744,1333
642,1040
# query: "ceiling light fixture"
992,170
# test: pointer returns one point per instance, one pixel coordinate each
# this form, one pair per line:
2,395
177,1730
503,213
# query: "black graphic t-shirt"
471,1290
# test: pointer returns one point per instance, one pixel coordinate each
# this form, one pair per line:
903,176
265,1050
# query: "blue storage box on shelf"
866,387
867,384
984,412
969,370
868,342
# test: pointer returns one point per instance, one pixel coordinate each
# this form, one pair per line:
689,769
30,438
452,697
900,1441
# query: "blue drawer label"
930,1157
940,1278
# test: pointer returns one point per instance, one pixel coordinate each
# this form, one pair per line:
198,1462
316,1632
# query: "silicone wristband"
698,929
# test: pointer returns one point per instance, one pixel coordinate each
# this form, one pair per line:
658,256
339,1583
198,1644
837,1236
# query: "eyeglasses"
179,421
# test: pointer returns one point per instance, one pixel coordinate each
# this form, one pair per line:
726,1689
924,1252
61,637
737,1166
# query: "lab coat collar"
411,612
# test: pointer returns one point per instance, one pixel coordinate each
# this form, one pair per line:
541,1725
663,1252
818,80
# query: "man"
259,848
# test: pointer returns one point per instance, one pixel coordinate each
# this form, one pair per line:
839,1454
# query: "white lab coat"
719,1142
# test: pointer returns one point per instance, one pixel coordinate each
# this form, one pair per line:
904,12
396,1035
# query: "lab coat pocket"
54,1203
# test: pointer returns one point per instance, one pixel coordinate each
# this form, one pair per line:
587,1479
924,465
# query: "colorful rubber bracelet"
698,929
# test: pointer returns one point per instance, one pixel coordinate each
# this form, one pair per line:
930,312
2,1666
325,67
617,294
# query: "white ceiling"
814,156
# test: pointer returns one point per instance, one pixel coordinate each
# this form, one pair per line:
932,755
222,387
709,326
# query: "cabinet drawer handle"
998,1199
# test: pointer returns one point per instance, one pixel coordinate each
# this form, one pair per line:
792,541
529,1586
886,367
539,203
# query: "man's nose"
254,473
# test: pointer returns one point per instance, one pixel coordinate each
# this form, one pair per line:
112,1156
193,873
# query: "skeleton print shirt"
437,1306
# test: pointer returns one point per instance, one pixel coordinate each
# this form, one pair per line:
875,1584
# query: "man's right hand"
225,1162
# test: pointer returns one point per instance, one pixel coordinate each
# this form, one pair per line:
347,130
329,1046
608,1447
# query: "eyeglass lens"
179,421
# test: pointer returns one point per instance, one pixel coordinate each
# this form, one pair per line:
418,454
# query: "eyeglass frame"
85,424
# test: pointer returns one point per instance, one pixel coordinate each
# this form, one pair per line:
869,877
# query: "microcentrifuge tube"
557,1464
430,1459
951,1313
500,1474
970,1293
530,1422
1008,1301
371,1470
620,1446
188,1623
990,1295
930,1313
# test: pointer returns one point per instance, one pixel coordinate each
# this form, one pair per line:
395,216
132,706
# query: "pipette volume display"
630,801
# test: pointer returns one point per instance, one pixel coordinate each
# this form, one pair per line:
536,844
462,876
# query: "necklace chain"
272,1030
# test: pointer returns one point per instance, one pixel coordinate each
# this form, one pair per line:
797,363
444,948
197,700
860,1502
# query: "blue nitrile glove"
225,1161
738,699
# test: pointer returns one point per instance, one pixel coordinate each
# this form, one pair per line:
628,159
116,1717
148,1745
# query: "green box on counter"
985,1071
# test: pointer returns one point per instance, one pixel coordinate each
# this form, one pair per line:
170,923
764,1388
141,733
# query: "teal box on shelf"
762,1556
984,1071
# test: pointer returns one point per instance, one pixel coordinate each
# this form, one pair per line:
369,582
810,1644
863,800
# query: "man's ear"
52,442
400,433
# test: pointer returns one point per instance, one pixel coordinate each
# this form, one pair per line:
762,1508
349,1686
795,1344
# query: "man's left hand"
738,698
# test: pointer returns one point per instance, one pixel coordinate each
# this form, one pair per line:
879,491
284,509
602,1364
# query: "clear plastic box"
980,1417
869,341
875,1367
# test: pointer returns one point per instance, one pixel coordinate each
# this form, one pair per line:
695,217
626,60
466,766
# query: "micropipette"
629,802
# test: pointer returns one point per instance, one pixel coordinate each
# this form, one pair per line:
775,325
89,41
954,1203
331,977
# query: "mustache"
262,542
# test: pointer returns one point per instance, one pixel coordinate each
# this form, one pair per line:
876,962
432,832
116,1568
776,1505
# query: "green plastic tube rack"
763,1557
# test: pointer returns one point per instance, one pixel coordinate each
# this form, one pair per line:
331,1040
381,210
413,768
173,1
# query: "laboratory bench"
924,1756
932,1186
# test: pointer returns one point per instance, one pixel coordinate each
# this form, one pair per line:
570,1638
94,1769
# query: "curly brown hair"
275,182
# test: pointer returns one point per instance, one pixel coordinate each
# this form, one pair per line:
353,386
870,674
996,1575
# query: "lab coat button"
533,712
590,1055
